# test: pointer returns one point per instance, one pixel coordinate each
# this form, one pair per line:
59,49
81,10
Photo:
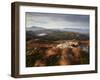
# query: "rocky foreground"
62,52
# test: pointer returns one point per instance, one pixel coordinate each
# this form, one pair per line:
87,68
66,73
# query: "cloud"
50,20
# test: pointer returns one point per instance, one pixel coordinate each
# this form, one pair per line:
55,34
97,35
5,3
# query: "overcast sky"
50,21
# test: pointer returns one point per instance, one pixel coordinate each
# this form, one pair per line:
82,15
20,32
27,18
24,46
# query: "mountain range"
78,30
54,34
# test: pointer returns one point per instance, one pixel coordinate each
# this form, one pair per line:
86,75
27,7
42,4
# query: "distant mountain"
34,28
56,34
79,30
41,30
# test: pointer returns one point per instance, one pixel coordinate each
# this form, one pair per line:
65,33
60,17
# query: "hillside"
54,34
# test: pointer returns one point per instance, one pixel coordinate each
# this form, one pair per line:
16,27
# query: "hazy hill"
34,28
55,34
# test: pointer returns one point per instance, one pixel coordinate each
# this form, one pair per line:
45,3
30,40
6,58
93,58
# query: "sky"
52,20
